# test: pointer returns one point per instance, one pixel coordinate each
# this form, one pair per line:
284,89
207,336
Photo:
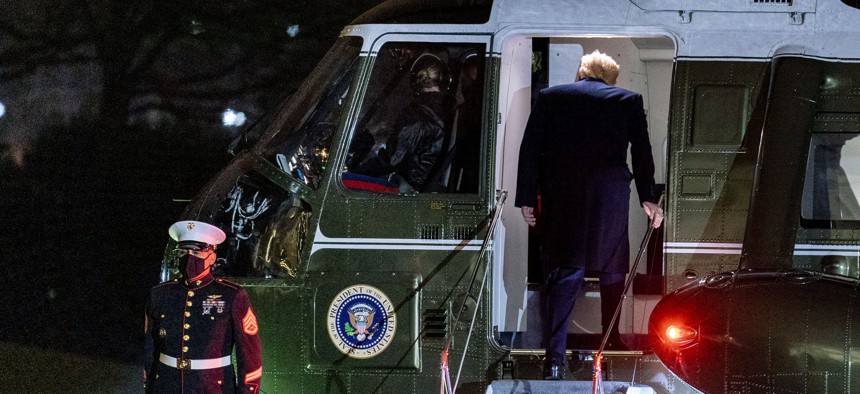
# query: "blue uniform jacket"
196,321
574,153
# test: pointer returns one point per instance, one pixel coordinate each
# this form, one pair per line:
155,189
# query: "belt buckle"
182,363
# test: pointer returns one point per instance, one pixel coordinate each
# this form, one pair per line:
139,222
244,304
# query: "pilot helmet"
192,233
429,71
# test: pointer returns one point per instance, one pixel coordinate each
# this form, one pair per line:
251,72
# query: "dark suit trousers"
560,290
611,293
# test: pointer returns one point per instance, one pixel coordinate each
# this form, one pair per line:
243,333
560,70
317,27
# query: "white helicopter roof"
736,29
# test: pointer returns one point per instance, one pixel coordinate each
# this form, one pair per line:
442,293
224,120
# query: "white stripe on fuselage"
321,241
736,248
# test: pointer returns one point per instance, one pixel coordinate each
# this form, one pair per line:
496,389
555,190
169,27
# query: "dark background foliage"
112,121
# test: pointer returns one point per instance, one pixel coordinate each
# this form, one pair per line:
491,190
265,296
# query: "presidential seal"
361,321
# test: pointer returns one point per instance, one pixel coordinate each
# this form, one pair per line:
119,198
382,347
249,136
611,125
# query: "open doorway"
532,63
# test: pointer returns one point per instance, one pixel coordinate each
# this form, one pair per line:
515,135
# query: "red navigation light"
681,335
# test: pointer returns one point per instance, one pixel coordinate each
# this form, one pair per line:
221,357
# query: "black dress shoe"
553,370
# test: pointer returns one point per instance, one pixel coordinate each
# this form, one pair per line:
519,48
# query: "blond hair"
598,65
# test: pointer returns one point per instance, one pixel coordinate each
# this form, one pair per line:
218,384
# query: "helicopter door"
529,64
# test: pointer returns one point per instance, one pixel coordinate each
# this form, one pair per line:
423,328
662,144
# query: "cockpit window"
266,222
300,146
265,225
832,181
419,129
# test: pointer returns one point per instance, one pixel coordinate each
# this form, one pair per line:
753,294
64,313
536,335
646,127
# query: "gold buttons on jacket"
185,349
185,337
188,303
187,314
186,326
191,293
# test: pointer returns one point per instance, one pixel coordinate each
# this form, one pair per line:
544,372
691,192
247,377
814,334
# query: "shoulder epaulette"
228,283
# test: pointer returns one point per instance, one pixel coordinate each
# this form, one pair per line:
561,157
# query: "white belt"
180,363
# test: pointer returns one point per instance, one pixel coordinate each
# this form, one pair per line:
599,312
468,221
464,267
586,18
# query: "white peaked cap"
192,230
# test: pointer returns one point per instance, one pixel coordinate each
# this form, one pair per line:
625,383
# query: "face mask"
192,266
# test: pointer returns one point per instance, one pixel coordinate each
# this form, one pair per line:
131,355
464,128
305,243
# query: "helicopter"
369,280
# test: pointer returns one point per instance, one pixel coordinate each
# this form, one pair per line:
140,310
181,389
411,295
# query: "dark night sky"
100,137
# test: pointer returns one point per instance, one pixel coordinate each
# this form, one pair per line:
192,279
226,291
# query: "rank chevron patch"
249,323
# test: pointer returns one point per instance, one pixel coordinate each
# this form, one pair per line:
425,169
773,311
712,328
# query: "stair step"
516,386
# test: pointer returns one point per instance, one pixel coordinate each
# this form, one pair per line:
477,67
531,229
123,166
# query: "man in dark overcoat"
574,154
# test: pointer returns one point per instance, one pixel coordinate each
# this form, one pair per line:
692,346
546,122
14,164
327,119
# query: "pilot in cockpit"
407,153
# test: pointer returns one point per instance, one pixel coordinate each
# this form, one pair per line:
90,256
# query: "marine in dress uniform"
193,324
574,151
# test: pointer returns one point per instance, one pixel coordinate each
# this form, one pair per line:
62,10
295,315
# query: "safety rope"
597,380
445,384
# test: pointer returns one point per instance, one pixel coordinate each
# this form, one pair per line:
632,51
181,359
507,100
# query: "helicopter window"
829,205
720,114
419,128
301,146
265,226
832,180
